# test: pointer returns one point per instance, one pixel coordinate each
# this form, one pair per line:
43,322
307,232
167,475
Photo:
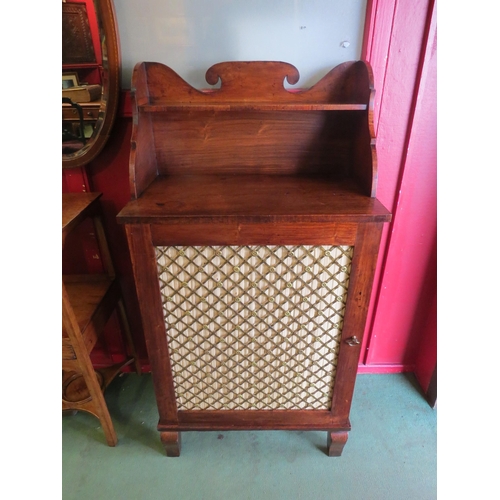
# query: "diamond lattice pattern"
254,327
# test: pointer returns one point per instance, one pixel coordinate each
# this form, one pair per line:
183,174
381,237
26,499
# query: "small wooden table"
88,302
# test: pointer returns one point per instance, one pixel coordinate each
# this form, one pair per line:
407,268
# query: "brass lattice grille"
254,327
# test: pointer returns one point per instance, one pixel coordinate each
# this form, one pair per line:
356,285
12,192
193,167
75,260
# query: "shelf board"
75,207
252,198
86,295
250,106
85,105
71,66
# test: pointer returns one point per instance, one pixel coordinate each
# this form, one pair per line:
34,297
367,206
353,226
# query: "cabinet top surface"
252,198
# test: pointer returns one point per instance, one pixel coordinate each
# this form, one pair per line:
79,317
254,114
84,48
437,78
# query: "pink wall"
400,44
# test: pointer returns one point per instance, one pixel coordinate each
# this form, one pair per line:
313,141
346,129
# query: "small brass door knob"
352,341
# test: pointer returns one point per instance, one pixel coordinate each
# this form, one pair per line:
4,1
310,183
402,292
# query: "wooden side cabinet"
87,303
254,231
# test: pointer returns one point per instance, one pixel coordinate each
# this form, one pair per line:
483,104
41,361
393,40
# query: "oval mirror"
90,78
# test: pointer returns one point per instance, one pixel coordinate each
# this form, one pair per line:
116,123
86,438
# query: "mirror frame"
110,45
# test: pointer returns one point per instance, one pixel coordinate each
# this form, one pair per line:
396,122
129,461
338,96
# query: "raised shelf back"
253,125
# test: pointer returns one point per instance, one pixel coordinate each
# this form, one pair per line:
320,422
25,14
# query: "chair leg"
106,423
89,397
122,314
101,408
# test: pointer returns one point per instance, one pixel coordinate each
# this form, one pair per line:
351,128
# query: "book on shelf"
83,93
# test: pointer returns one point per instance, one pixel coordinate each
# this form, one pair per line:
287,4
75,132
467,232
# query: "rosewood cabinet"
253,230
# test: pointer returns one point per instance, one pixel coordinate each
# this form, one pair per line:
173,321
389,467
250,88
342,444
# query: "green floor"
390,454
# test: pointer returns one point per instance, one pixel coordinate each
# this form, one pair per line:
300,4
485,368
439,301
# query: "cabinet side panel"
361,282
148,294
142,165
364,157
